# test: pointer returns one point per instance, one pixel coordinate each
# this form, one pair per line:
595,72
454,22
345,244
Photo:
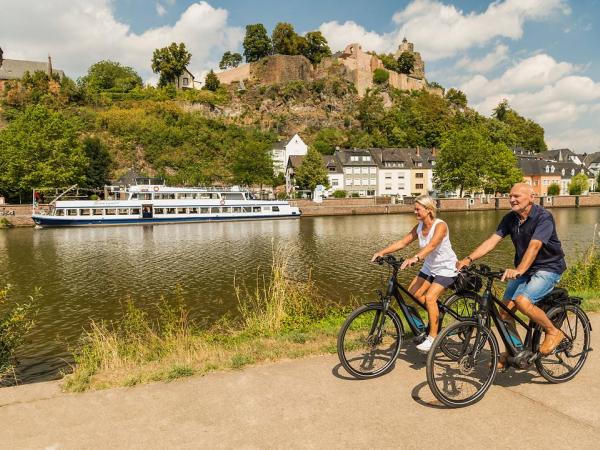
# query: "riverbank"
305,403
376,205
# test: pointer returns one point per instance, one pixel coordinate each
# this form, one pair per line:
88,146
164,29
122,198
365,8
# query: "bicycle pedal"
419,338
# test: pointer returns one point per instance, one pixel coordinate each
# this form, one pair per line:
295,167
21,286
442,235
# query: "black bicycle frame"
395,289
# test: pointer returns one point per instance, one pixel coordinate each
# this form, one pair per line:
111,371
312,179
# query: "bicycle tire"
459,369
373,361
547,365
464,304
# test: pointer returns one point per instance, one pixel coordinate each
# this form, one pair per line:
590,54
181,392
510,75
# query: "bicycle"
370,338
462,377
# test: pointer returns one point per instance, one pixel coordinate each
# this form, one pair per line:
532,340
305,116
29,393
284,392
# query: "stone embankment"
373,205
384,205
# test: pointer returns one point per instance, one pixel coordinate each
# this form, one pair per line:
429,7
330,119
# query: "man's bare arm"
484,248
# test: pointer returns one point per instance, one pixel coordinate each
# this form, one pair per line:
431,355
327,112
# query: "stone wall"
235,75
282,69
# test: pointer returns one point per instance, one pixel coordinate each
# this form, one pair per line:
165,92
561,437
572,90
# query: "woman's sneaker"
425,346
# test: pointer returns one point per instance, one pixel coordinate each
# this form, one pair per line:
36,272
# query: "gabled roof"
592,158
14,69
537,167
559,154
345,154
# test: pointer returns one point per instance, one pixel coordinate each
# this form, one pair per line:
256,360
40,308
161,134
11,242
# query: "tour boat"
157,203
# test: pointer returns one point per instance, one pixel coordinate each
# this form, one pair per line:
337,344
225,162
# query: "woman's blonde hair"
428,203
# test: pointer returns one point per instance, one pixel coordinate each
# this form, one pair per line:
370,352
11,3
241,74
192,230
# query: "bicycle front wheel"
369,342
460,377
568,359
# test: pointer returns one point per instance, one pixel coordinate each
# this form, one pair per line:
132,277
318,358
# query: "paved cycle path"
307,403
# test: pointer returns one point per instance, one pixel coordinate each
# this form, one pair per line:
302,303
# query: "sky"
538,54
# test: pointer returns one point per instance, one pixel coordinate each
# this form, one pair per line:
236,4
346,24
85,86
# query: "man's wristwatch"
470,259
418,259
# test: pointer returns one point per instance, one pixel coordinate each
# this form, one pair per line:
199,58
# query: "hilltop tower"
419,68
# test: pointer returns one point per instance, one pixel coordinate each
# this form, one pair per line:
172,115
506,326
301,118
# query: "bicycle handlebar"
484,271
389,259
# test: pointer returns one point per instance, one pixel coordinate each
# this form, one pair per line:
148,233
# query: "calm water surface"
86,273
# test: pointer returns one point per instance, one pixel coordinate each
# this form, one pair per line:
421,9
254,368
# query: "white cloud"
550,93
84,32
439,30
160,9
487,63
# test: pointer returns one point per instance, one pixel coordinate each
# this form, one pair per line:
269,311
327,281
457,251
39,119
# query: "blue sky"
539,54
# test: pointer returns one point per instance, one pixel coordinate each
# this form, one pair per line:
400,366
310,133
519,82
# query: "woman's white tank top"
442,260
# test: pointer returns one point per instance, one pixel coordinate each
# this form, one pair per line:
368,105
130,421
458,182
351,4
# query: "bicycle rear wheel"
460,377
366,346
569,357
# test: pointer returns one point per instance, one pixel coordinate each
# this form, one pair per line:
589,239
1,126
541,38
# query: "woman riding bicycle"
439,267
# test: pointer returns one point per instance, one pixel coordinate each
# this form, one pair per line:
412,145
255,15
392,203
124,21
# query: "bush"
15,323
584,274
554,189
380,76
339,194
579,183
355,195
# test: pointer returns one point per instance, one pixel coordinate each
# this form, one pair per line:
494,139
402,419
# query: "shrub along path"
306,403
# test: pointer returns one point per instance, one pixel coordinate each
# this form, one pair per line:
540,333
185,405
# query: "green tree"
461,162
316,47
370,111
554,189
40,148
285,40
327,139
528,134
253,164
501,170
98,171
170,62
389,61
211,82
256,44
501,110
312,171
406,63
579,184
456,98
110,76
381,76
230,60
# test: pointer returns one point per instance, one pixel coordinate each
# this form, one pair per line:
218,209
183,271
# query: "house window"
372,169
562,172
364,169
401,176
419,186
572,172
366,158
388,177
535,183
373,182
334,182
348,170
331,169
349,182
388,187
419,175
365,181
186,81
354,158
419,164
356,170
400,186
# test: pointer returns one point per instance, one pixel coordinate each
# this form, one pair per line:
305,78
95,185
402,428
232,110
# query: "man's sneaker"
425,346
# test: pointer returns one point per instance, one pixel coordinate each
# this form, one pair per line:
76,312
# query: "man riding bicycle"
539,262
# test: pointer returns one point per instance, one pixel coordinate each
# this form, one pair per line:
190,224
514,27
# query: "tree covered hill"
98,129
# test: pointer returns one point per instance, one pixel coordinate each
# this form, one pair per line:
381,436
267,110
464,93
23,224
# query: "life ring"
155,188
222,201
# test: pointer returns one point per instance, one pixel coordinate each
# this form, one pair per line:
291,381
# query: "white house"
282,152
394,175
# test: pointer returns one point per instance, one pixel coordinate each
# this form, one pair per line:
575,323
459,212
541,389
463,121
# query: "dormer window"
366,158
572,172
562,172
552,169
547,169
354,158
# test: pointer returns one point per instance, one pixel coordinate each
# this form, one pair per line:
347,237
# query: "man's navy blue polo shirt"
539,226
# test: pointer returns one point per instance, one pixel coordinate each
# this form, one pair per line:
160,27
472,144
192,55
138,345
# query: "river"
87,273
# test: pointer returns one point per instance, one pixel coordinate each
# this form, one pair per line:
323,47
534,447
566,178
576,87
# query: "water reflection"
85,273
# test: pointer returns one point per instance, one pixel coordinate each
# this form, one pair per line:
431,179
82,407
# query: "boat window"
204,210
134,196
266,208
59,212
170,210
124,211
145,196
159,210
275,208
181,210
205,195
247,209
71,212
237,209
233,196
226,209
193,210
111,211
97,212
165,196
84,212
135,210
214,210
256,209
